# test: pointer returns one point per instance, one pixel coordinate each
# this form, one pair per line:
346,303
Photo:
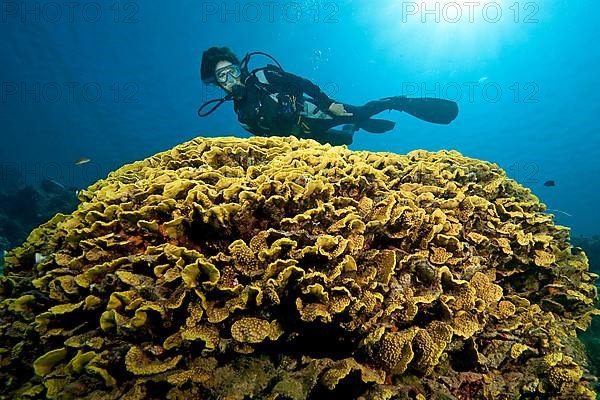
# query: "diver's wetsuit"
273,102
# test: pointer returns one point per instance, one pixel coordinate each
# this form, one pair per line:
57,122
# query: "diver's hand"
339,110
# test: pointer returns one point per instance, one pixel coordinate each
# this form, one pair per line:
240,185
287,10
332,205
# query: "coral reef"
278,268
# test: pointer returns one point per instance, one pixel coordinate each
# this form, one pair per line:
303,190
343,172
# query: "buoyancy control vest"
267,109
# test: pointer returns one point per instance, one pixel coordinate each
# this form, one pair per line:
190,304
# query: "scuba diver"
269,101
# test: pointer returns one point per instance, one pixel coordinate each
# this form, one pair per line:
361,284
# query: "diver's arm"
278,77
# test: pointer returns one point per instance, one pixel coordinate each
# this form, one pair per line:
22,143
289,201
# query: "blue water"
119,81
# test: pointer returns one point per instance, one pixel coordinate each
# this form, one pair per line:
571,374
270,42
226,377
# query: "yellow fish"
82,160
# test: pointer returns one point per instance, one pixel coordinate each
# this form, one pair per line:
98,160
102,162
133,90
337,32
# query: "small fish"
483,79
559,211
60,185
549,183
82,160
39,258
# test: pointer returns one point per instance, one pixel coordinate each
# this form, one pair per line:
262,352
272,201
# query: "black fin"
437,111
336,137
375,125
349,128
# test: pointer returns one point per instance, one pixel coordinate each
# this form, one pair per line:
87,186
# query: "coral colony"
278,268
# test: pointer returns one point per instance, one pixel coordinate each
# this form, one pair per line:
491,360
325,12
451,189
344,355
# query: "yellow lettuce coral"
281,268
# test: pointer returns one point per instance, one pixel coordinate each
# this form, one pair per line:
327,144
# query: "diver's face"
227,75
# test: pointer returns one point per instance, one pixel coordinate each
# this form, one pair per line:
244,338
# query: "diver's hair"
211,57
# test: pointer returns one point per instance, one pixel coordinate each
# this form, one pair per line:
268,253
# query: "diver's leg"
361,117
374,107
321,129
321,125
360,113
434,110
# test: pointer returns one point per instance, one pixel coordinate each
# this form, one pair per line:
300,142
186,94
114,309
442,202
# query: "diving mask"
228,72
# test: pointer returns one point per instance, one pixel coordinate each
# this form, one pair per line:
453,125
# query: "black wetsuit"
275,103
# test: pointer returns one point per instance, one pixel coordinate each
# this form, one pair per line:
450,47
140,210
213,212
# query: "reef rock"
277,268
